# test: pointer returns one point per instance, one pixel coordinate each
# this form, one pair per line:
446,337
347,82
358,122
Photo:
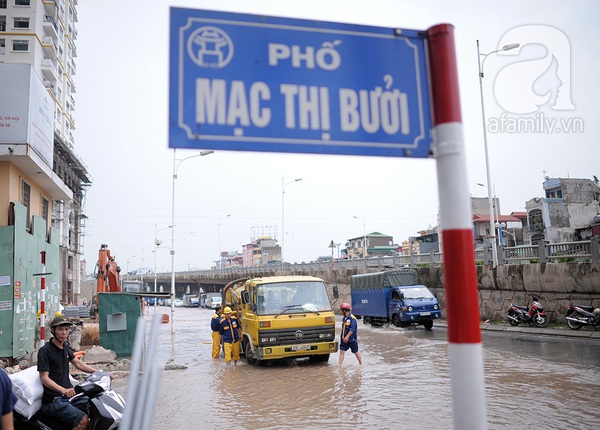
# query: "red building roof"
520,215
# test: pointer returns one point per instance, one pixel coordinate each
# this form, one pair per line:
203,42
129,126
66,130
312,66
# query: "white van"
213,300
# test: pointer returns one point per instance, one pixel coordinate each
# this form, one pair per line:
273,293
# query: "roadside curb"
584,333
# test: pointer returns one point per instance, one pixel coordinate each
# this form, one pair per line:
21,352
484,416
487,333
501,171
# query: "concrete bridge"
556,284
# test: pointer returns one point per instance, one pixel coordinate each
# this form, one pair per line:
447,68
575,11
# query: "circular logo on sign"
210,47
298,335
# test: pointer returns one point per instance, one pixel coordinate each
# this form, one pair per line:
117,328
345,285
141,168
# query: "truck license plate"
424,314
300,347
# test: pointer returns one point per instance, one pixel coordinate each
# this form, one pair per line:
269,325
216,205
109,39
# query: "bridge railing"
585,250
582,251
381,262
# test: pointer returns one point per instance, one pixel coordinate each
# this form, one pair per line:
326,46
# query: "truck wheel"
366,320
248,353
396,320
428,324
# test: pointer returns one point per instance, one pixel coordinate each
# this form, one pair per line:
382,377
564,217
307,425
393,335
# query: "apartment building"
567,212
260,251
42,180
371,245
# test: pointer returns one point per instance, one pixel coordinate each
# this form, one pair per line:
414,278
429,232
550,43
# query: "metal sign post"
332,246
464,334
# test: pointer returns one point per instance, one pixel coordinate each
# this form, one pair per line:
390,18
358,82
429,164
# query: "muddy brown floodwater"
404,383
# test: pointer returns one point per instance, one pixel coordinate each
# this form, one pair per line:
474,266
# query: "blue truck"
393,296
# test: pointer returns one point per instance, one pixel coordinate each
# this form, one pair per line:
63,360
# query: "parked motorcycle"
579,315
518,314
105,407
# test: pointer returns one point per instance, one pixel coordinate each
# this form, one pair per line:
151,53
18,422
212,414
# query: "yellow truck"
284,317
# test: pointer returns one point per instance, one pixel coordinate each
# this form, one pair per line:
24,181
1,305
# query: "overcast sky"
122,131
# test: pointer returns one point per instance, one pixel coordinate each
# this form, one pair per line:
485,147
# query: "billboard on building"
26,110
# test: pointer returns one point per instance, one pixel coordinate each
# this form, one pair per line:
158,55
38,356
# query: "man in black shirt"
53,364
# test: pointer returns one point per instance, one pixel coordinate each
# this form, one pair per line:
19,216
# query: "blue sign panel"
256,83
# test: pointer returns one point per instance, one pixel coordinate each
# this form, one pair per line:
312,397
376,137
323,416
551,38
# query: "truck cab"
191,301
395,297
213,301
413,304
132,286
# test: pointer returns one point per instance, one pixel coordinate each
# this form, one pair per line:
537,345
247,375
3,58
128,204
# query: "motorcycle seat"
523,308
586,308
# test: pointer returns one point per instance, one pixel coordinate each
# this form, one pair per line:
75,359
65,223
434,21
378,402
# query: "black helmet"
60,320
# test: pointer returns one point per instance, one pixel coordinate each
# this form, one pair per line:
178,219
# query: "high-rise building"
42,180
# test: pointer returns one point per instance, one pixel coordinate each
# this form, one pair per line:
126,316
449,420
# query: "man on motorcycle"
53,365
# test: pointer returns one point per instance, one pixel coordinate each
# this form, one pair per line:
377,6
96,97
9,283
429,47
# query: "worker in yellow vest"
230,333
214,325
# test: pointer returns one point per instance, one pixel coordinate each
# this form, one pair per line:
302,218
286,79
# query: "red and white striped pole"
43,301
462,303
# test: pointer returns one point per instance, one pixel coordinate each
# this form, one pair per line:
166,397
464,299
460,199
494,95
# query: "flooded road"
404,383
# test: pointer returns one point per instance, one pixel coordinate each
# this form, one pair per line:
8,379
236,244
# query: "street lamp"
495,205
133,256
293,245
142,271
219,234
157,243
364,238
283,185
185,252
487,157
176,164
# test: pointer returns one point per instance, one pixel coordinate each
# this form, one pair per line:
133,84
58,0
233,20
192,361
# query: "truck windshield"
292,297
417,293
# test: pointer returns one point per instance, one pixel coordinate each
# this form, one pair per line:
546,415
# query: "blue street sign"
256,83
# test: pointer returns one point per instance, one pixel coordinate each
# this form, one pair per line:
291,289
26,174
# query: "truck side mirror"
245,297
401,296
336,292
